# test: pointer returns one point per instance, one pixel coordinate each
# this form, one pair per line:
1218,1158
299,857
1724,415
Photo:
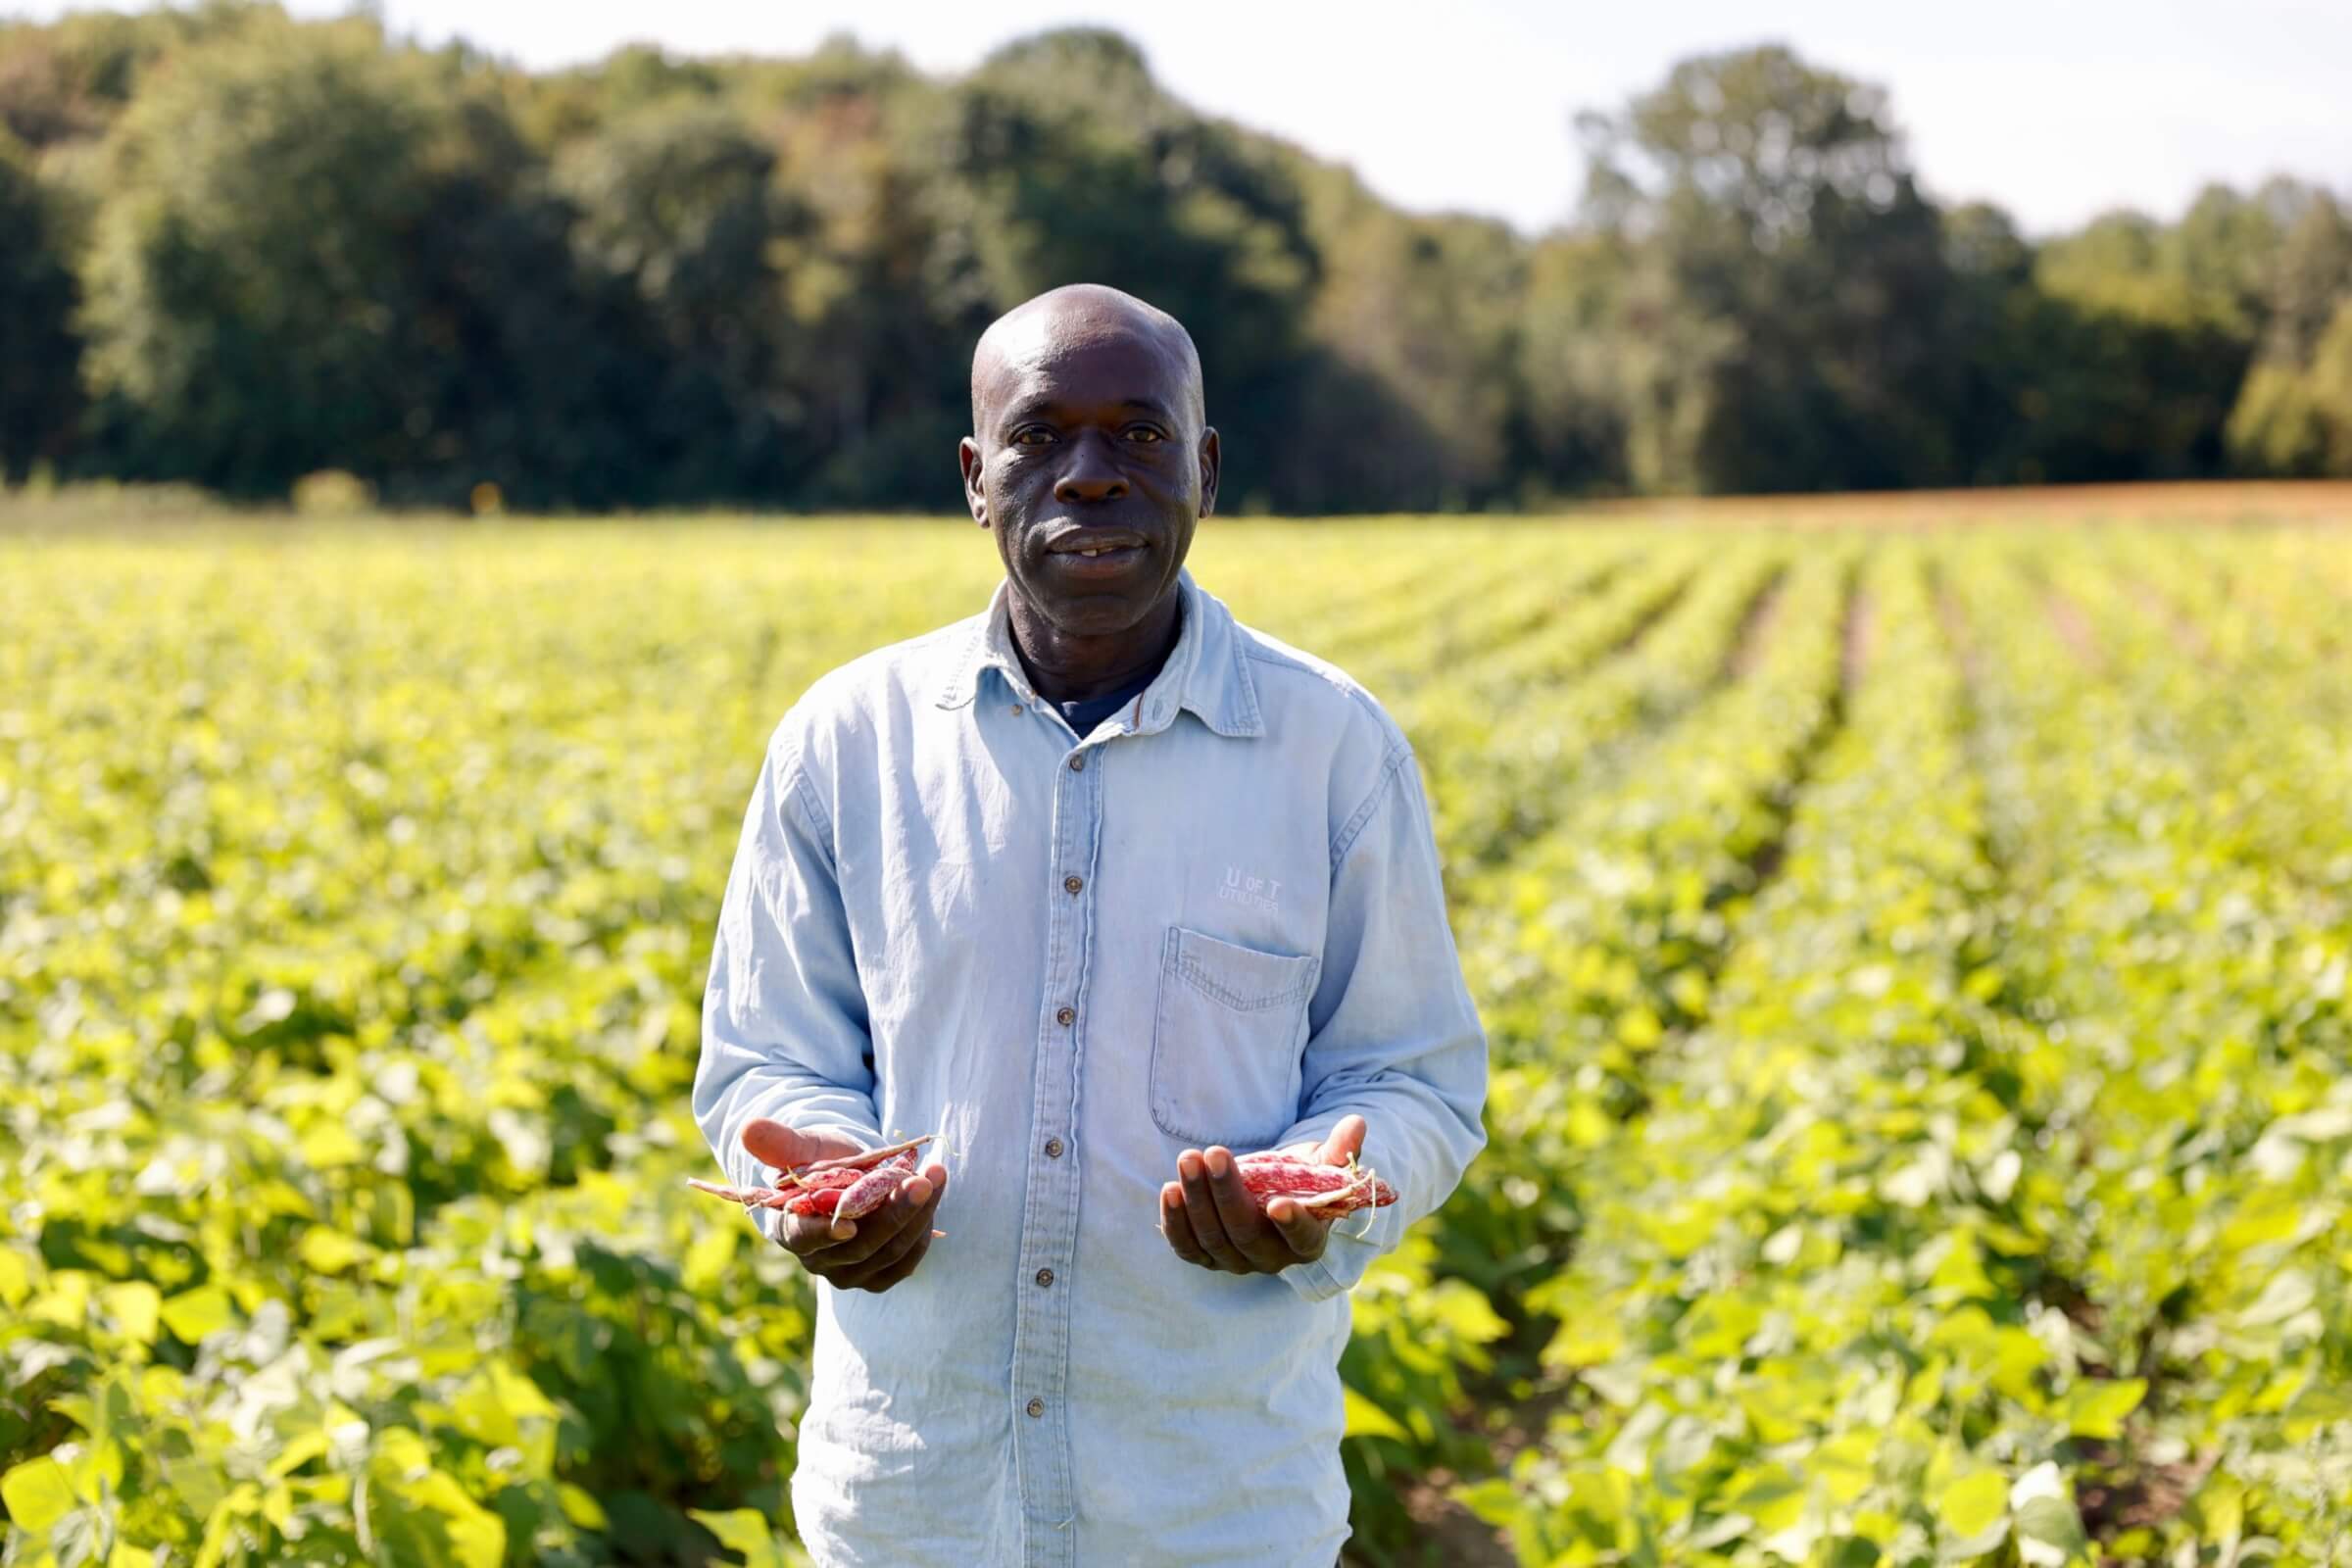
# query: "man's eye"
1034,435
1143,432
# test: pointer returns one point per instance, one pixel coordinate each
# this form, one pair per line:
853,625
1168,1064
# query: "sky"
2056,109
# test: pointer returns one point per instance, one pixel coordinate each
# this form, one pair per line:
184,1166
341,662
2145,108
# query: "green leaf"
2096,1409
1845,1465
38,1494
580,1507
2286,1294
1583,1339
1961,1271
1491,1500
496,1401
1369,1420
1771,1497
1465,1313
708,1259
2221,1507
136,1307
1719,1326
192,1314
15,1278
1640,1028
220,1530
330,1144
299,1452
429,1522
327,1251
200,1482
2050,1532
743,1530
1973,1504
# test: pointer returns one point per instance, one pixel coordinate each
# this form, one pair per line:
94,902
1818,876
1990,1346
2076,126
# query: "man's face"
1091,466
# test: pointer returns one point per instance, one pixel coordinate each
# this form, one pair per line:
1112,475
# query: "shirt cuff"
1344,1258
1313,1281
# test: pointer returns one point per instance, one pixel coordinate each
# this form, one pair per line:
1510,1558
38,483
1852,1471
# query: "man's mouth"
1097,544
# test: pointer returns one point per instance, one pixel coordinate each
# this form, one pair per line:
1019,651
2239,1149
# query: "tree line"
237,249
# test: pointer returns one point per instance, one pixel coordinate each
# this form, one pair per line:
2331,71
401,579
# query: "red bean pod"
1329,1189
873,1189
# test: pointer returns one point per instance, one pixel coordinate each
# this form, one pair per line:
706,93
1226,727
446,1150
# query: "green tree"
1791,282
1577,351
2308,277
578,104
884,288
2222,249
1074,166
654,279
680,200
2139,342
314,252
39,353
1417,321
2296,420
69,79
2293,416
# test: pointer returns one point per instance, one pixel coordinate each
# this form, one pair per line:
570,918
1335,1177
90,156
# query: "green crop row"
1790,1314
1505,741
1916,969
2197,1153
1560,1084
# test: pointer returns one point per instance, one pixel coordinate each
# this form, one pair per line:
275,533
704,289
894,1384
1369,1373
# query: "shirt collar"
1207,671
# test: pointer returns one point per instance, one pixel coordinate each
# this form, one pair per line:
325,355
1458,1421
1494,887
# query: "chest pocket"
1226,1041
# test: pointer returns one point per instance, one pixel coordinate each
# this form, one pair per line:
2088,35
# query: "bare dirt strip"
2256,503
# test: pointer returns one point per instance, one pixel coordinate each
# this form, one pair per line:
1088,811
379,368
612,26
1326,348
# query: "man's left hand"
1211,1220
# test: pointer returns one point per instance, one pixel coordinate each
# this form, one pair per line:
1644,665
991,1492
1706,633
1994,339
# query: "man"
1102,888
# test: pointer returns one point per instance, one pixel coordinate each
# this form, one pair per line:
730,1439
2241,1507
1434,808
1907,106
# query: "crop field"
1915,959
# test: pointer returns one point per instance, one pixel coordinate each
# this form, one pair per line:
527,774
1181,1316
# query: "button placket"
1049,1236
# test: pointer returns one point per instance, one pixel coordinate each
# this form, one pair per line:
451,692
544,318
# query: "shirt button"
1045,1276
1053,1148
1037,1407
1066,1016
1072,884
1078,764
1016,708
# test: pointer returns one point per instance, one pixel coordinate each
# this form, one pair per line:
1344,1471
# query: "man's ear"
975,494
1212,461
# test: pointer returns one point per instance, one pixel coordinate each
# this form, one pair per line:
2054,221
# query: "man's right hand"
870,1254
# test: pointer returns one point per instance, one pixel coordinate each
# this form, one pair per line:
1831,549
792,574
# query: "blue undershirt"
1086,712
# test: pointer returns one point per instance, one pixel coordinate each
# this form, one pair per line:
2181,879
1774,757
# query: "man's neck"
1070,669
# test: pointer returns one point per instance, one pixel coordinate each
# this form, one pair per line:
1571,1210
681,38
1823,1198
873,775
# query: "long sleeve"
1393,1034
784,1020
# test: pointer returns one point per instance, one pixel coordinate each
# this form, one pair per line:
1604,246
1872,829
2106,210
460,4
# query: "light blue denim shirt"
1217,919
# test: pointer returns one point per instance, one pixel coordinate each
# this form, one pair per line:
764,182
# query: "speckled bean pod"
872,1190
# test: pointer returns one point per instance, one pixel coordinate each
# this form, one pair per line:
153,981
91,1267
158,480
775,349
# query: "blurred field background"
1912,927
243,248
1913,937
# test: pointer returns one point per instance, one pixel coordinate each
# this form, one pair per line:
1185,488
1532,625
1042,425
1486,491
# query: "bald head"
1092,461
1034,334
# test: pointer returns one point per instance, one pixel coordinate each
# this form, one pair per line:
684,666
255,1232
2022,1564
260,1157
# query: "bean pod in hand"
845,1188
1329,1189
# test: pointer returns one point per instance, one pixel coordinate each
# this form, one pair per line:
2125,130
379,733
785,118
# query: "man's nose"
1091,476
